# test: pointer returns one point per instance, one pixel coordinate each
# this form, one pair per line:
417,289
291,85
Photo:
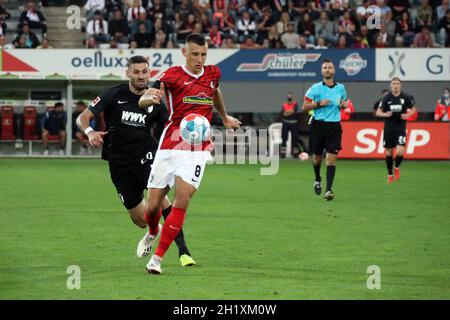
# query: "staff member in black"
129,148
395,107
289,118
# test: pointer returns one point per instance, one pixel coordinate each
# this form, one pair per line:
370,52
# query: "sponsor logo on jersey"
133,119
353,64
275,61
95,101
395,107
201,98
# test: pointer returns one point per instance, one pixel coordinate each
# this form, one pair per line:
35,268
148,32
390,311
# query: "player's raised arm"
228,121
151,96
95,137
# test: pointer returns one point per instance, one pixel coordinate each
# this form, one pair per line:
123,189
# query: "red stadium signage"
424,140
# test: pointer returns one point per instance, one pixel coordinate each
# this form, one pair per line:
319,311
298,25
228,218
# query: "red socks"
152,222
170,230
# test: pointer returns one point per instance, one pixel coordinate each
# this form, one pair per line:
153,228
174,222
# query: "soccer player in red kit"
191,88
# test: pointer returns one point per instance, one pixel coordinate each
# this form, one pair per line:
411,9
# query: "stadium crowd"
252,24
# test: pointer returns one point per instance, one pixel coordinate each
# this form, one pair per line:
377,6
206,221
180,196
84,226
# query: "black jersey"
129,127
398,106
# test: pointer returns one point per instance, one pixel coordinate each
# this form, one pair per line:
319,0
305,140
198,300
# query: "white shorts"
188,165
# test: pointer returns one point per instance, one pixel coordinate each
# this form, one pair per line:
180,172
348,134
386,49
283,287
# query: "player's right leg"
390,164
316,146
401,142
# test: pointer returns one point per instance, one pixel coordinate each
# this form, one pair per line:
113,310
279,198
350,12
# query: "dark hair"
136,59
196,38
327,61
59,104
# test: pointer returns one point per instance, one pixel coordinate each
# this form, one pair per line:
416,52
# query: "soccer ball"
303,156
195,129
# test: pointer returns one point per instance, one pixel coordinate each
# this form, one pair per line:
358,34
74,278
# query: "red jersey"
187,93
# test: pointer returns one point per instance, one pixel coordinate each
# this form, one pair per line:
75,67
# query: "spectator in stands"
31,40
91,43
424,15
171,45
80,106
144,38
184,8
229,29
399,7
4,44
440,11
405,29
423,39
158,10
92,6
399,42
206,24
111,6
202,7
135,11
298,7
45,44
342,42
98,28
263,25
215,36
54,123
325,28
34,18
442,111
384,8
160,24
290,39
162,37
118,27
273,38
235,8
321,44
246,27
386,39
219,8
444,29
229,43
249,43
307,28
142,19
4,15
345,113
186,28
360,42
303,43
283,22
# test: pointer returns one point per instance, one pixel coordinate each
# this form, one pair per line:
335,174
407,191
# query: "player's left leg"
398,161
331,171
173,224
184,255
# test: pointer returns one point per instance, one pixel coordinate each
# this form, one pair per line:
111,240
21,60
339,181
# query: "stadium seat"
30,123
275,138
7,113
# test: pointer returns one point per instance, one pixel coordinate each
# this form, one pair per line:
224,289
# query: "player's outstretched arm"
95,137
229,122
151,96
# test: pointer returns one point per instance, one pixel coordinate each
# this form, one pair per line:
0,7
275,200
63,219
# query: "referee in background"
325,98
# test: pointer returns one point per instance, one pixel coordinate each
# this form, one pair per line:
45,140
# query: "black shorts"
393,137
325,136
131,180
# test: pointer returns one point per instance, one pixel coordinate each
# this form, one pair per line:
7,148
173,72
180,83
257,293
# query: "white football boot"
145,245
154,265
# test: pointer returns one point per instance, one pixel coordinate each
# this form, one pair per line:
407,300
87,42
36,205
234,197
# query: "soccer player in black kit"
395,107
130,148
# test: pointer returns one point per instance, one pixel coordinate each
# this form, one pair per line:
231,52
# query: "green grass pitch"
253,236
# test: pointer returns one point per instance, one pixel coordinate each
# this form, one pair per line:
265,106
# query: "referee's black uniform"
129,146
